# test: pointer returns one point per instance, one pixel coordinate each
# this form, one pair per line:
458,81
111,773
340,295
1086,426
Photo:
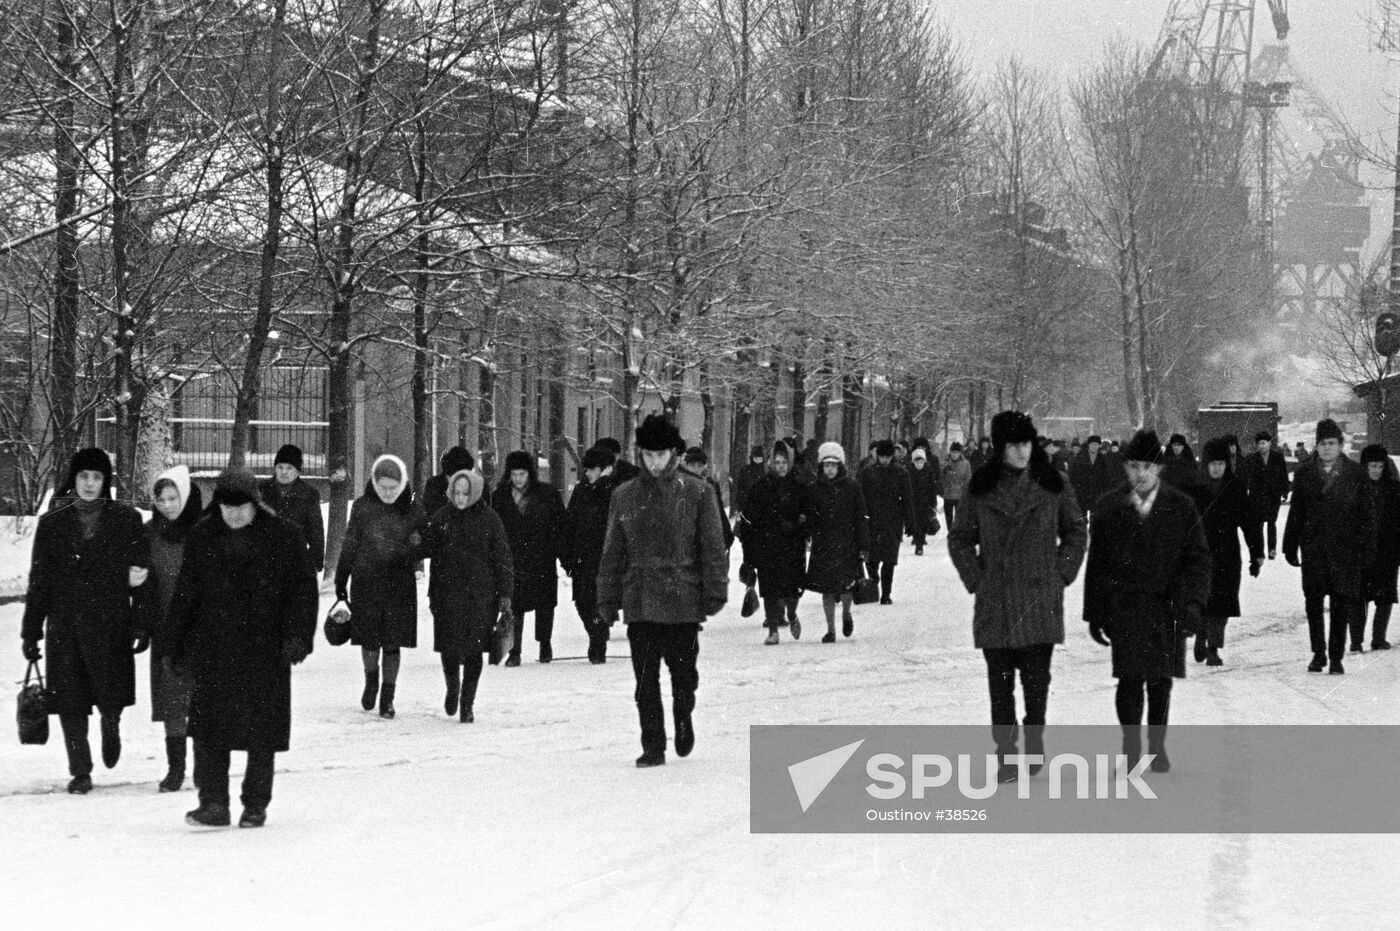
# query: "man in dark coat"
1223,504
748,477
1092,474
434,497
926,485
533,514
89,553
587,519
1380,534
773,530
1017,545
624,470
244,613
840,538
982,454
1145,587
1323,537
664,566
1265,476
697,463
889,502
1179,464
293,499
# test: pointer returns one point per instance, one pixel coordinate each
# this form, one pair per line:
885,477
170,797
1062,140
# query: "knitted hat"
1012,427
476,484
235,487
884,448
1374,453
598,458
289,454
1143,447
831,450
657,433
1328,430
457,460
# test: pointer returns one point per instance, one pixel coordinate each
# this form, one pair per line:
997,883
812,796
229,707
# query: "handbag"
750,602
867,591
502,638
32,709
337,626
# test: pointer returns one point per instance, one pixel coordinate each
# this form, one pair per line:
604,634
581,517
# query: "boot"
1213,657
1319,661
1132,744
371,691
513,659
175,763
685,733
80,785
454,689
794,624
546,652
1199,648
829,637
253,818
651,759
386,701
772,638
1335,668
467,717
848,623
1157,745
1035,745
111,739
209,815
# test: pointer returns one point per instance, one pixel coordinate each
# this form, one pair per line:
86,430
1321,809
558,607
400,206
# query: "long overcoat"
170,694
1017,542
378,561
1380,522
1092,479
1140,577
774,534
471,572
889,502
536,535
1225,511
243,595
1266,480
80,602
299,503
587,528
1324,528
840,533
926,485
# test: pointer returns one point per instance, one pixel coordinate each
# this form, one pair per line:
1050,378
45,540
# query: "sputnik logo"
811,776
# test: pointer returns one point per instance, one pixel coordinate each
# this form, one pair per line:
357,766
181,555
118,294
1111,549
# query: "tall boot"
794,625
111,736
391,678
386,701
452,675
1379,627
175,764
371,691
1132,743
1157,745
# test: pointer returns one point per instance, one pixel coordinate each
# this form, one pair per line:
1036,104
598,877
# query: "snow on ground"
535,816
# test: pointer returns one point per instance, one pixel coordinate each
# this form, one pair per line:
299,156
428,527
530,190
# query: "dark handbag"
747,574
750,602
32,711
867,591
337,626
502,638
933,525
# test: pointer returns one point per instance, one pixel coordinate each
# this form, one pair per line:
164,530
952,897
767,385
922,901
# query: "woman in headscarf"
840,538
1223,503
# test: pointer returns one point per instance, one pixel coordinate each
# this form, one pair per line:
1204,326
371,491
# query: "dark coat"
471,572
536,537
1017,543
1140,577
719,499
840,534
624,471
1092,480
1267,484
170,694
587,528
80,602
243,595
1179,471
1324,528
889,502
743,482
1225,513
664,560
774,533
434,497
377,558
299,503
927,485
956,474
1380,533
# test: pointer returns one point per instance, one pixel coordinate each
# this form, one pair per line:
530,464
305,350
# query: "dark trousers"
1380,624
464,672
586,602
1129,701
211,775
920,538
678,645
1213,634
950,513
885,573
544,627
1334,643
75,739
1271,532
1356,623
1033,663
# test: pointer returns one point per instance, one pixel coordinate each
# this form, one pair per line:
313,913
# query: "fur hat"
289,454
91,459
1012,427
831,450
1216,450
519,459
884,448
695,456
757,452
657,433
1263,435
1328,430
1374,453
598,458
1094,438
955,448
1175,439
457,460
235,487
476,484
1143,447
611,444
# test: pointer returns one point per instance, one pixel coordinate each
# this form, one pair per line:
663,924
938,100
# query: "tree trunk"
63,345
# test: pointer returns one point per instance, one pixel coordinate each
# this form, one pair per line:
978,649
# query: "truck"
1242,418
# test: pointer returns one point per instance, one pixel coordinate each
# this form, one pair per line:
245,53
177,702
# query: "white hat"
831,450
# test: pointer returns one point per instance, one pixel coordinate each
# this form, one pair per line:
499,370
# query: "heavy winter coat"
471,572
242,597
1140,577
663,560
377,559
748,477
1225,513
1380,534
719,499
774,533
80,603
1180,472
170,694
299,503
586,528
889,502
840,533
1017,542
536,536
1324,528
926,485
1266,481
1092,480
956,474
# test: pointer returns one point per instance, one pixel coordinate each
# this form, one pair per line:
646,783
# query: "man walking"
1265,476
664,567
889,502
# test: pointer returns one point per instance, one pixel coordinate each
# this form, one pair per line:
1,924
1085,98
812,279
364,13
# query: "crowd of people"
225,597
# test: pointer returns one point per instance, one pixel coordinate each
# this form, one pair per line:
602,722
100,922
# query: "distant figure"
1265,476
587,519
623,468
293,499
697,463
533,514
1223,503
747,478
957,472
1380,516
434,497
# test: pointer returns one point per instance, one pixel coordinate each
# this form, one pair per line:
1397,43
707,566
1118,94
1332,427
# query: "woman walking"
469,586
377,557
774,536
178,507
533,514
1380,532
89,553
840,538
927,485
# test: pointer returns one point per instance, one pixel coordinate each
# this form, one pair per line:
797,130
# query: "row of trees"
782,202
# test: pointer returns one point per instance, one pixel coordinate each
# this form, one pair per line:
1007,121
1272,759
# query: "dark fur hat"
1374,453
235,487
91,459
1328,430
1216,450
1012,427
1143,447
598,457
457,460
657,433
695,455
884,447
518,459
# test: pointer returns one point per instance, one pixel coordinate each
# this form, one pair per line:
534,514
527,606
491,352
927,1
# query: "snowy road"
535,816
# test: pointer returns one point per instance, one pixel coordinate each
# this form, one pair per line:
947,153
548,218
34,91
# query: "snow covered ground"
535,816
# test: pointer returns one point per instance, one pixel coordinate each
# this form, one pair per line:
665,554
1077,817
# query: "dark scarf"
89,513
